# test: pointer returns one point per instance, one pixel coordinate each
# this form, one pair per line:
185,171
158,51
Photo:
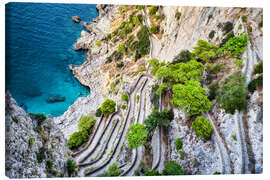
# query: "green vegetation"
98,112
210,69
98,43
71,167
227,37
244,18
41,154
257,82
172,168
31,141
113,170
86,123
202,127
154,97
140,7
143,43
178,15
240,26
155,65
137,98
206,51
76,139
49,165
178,144
234,137
258,68
107,107
119,65
39,117
235,45
213,91
217,173
152,173
191,97
233,94
212,34
122,49
136,136
124,97
183,57
153,10
181,72
153,29
158,119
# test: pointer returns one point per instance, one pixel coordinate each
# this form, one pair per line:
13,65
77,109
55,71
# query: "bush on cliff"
86,123
107,107
183,57
76,139
124,97
71,167
178,144
202,127
136,136
206,51
172,168
113,170
98,112
152,173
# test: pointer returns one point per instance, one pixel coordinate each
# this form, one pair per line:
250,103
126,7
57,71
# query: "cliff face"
25,159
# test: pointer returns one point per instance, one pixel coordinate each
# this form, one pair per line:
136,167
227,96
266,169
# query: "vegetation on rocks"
31,141
71,167
183,57
107,107
124,97
232,95
206,51
113,170
86,123
178,144
98,112
153,29
257,82
172,168
76,139
152,173
136,136
258,68
191,97
202,127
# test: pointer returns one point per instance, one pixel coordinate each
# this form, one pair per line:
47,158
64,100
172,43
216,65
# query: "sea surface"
39,48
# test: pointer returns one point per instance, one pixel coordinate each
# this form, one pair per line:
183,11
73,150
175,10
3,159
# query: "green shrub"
158,119
240,26
76,139
122,49
217,173
202,127
137,98
252,86
98,112
233,94
178,15
213,91
71,167
136,136
224,40
117,55
258,68
154,98
154,29
49,165
153,10
249,29
234,137
181,72
178,144
107,107
191,97
41,154
205,51
31,141
235,45
214,69
244,18
155,65
172,168
227,27
124,107
113,170
140,7
152,173
212,34
98,43
39,117
183,57
86,123
143,45
220,25
124,97
120,65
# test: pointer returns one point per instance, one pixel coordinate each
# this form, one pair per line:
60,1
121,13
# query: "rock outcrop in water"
222,153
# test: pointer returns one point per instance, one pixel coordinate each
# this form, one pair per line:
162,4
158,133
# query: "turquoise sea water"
39,48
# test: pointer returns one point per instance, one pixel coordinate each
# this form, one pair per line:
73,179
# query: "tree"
191,97
113,170
86,123
107,107
205,51
152,173
233,94
124,97
178,144
155,65
77,138
136,136
183,57
98,112
153,29
202,127
181,72
172,168
71,167
158,119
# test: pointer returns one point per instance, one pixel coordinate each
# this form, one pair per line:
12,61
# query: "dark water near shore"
39,48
